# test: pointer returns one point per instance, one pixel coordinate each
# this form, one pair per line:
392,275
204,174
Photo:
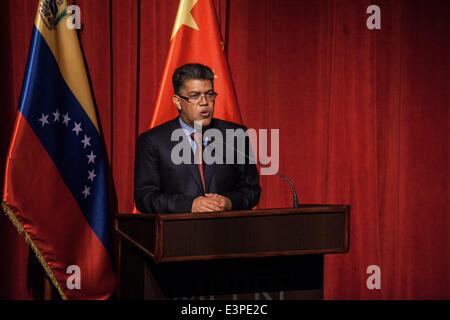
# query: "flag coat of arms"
55,182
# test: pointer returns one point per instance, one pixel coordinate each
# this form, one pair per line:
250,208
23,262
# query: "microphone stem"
295,205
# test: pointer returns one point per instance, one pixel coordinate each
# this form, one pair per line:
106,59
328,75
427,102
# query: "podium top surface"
304,208
309,229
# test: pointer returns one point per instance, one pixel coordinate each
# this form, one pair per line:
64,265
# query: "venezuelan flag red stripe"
51,216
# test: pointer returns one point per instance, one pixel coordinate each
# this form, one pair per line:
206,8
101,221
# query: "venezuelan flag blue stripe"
68,135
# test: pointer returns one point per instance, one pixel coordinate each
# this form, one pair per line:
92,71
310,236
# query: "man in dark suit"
163,185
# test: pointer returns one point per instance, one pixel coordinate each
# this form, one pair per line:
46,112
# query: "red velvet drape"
363,119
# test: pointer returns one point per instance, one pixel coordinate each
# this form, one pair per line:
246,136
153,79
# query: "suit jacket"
160,186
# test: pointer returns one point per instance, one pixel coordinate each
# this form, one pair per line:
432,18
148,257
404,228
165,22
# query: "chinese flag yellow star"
184,16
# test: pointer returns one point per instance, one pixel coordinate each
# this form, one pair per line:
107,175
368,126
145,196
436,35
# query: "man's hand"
224,202
211,202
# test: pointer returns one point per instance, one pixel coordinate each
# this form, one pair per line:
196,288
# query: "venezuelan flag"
55,183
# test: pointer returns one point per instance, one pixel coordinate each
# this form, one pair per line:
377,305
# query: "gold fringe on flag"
36,251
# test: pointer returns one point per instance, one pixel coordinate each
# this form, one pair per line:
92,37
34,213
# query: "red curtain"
363,119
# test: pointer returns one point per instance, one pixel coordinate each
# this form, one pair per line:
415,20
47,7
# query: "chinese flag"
196,39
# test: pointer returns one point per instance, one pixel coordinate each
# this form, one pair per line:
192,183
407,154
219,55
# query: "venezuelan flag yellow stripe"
64,44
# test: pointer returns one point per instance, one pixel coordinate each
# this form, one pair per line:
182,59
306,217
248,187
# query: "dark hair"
190,71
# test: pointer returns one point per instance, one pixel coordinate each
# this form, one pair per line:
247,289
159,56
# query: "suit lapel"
191,167
210,169
195,174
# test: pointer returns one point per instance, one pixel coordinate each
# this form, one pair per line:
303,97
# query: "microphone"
294,192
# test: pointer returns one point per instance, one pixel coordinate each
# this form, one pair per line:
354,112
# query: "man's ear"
177,102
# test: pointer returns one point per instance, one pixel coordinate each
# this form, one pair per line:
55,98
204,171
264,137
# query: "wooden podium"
275,253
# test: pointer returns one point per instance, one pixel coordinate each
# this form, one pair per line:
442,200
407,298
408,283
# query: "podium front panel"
254,235
243,253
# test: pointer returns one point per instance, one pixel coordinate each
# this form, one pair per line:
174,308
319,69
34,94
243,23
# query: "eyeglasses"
196,97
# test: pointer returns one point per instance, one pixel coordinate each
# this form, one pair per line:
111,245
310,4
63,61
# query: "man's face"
201,110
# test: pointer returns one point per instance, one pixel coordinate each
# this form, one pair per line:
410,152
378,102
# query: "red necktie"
198,139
